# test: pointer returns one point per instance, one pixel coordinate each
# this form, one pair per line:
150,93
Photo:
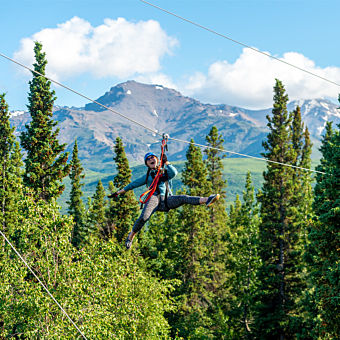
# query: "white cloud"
123,49
116,48
249,81
157,79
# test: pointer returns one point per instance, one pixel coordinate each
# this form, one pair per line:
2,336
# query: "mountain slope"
166,110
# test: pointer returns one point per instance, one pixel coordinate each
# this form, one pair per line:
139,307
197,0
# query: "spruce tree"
214,160
301,205
306,179
322,254
243,260
97,211
76,206
219,245
109,228
215,169
123,210
45,164
279,241
198,267
302,148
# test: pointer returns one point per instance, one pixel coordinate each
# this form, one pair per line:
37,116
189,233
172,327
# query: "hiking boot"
212,199
128,243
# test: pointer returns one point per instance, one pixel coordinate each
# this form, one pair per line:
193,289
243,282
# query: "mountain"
166,111
315,113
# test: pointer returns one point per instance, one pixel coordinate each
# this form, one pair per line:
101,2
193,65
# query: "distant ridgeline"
166,110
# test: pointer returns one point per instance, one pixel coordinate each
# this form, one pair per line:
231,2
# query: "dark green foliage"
97,212
195,173
109,228
296,133
219,246
323,250
160,244
236,277
280,244
198,266
302,148
177,247
76,207
243,263
46,164
215,175
214,161
192,319
301,205
306,178
123,210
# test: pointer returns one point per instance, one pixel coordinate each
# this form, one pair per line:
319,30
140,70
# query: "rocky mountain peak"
134,92
166,110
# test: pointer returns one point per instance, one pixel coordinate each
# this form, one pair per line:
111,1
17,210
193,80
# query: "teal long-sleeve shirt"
171,170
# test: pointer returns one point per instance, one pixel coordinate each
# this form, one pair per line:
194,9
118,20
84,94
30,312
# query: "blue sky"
94,45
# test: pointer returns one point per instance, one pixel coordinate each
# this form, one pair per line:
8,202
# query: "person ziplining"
158,197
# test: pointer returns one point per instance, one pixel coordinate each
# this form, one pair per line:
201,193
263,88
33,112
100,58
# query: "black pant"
157,203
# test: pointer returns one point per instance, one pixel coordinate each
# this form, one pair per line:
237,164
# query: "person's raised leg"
176,201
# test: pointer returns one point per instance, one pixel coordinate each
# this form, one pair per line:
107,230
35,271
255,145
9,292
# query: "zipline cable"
48,292
145,127
248,156
79,94
240,43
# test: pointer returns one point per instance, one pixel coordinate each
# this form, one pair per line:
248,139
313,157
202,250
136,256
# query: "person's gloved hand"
114,195
164,158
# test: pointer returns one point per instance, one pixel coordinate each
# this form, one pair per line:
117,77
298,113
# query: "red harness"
152,188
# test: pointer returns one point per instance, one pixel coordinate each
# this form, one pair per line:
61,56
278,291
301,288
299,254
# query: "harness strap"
152,188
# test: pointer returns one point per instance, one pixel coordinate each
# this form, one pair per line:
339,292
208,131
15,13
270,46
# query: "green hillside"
235,170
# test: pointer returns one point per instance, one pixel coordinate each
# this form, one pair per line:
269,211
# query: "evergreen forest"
265,267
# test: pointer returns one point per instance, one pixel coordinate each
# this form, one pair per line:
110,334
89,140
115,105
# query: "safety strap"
144,197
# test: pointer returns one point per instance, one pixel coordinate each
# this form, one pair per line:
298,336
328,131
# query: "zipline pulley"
165,138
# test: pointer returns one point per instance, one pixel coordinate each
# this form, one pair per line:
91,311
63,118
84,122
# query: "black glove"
164,158
114,195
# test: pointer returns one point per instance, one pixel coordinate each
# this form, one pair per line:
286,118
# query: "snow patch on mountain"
180,116
325,105
316,113
16,113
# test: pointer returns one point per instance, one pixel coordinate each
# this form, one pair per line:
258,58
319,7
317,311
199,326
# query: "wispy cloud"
117,48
